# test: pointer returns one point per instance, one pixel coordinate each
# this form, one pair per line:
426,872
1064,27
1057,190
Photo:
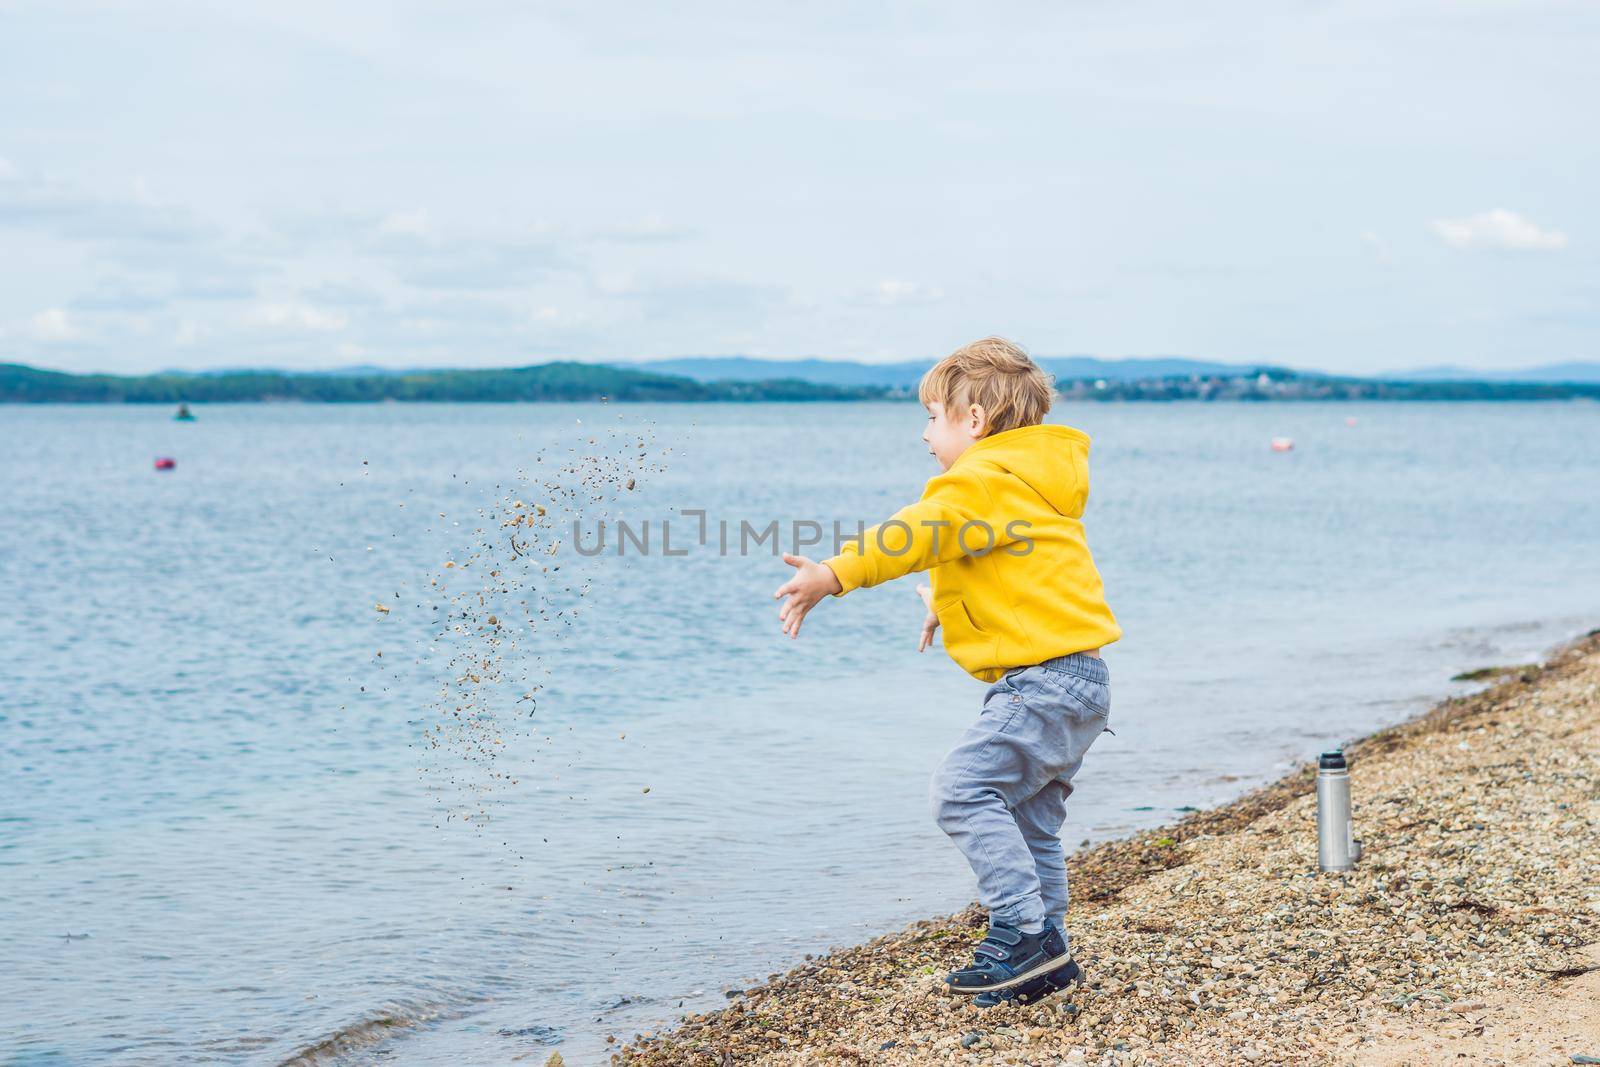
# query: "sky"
1346,187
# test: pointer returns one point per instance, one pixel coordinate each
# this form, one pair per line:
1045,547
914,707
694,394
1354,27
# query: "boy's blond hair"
995,374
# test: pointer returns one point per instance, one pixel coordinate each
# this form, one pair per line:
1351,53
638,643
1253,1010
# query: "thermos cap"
1332,761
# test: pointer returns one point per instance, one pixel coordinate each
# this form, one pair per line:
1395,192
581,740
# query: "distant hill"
1283,385
1550,372
906,375
593,381
548,381
356,370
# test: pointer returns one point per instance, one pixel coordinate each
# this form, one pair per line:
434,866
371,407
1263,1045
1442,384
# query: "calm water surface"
216,844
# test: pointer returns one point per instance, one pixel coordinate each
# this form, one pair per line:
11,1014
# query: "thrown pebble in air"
500,605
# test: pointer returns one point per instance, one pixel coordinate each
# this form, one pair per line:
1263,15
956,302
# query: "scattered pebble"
500,607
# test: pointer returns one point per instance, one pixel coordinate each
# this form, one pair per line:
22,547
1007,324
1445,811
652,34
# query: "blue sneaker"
1031,992
1036,989
1007,957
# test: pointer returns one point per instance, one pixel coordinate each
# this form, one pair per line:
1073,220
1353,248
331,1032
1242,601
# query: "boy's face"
950,433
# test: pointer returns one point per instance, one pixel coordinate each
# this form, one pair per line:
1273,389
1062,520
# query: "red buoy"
166,463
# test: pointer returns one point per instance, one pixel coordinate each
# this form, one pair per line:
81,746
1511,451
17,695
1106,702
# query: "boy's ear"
977,421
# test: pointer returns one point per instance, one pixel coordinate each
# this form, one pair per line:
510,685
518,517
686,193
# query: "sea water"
223,837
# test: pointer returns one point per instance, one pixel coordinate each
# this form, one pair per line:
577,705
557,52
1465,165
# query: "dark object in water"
547,1035
184,414
166,463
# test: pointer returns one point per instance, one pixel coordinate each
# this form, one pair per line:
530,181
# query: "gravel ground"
1215,940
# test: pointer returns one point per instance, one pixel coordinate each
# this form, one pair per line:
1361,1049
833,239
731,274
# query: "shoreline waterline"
880,1002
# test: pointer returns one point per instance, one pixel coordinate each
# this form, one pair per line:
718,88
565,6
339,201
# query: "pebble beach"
1466,934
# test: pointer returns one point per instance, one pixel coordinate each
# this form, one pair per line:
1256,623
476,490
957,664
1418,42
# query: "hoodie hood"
1053,461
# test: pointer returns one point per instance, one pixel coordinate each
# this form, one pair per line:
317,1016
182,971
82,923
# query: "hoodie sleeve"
919,536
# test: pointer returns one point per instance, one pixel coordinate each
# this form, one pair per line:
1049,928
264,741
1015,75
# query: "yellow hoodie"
1034,595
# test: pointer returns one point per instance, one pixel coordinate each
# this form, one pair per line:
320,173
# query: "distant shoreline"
568,382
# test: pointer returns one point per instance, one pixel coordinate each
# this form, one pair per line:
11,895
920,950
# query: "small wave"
372,1029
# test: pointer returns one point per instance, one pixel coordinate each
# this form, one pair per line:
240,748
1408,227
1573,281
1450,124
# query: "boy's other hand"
811,582
929,624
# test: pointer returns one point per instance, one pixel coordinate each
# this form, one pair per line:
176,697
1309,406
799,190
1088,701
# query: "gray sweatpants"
1001,792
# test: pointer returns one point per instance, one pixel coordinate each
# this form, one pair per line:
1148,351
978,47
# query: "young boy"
1022,608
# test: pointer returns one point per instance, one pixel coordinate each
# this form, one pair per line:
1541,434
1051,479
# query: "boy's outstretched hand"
811,582
931,622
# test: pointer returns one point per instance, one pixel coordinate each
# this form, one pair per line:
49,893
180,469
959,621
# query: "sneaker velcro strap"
980,973
1004,934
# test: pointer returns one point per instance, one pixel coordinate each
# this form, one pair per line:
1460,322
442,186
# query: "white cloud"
652,229
406,224
1498,229
891,293
1374,246
188,333
6,169
51,325
296,317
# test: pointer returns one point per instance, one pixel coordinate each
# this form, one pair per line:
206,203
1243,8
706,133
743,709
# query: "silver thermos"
1337,848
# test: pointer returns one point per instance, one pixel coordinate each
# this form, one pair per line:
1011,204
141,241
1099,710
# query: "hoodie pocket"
960,632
